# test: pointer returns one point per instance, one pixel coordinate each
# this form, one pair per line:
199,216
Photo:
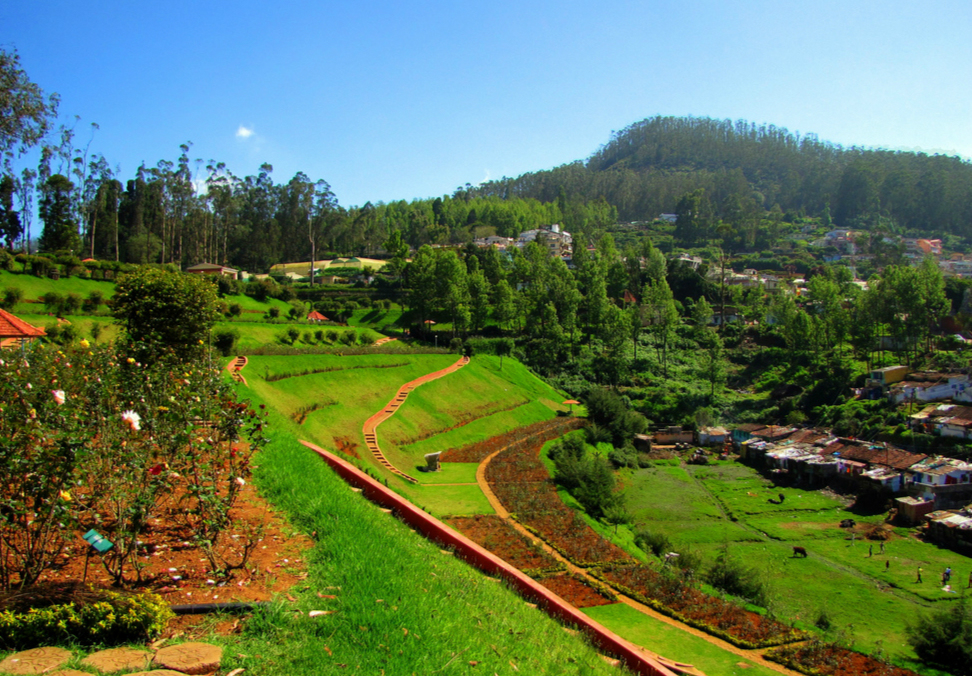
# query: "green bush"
6,260
273,312
733,577
11,296
657,543
91,618
224,340
945,637
53,302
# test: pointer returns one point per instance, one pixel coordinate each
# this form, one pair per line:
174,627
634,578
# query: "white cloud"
244,132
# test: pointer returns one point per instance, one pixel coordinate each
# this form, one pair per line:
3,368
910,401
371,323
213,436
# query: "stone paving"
173,660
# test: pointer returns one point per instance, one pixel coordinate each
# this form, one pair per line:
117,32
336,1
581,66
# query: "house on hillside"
929,386
213,269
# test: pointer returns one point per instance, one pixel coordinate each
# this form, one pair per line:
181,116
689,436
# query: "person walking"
919,575
882,546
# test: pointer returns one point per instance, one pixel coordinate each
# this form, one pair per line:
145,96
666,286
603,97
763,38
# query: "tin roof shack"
929,386
754,450
950,529
956,423
673,434
745,431
712,436
946,481
803,463
912,510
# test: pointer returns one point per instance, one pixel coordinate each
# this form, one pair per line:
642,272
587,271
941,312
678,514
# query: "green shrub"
657,543
945,637
224,340
90,618
331,335
349,337
235,309
6,260
11,296
273,312
72,303
733,577
96,330
53,302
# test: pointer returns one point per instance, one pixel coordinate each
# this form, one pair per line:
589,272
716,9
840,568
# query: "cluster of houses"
559,244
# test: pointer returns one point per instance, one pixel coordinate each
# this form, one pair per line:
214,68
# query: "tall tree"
25,113
10,226
57,212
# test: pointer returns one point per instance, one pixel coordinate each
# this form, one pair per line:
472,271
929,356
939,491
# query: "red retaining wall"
604,639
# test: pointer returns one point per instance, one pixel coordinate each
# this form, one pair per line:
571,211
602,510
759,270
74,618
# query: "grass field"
476,402
35,287
674,643
256,334
868,599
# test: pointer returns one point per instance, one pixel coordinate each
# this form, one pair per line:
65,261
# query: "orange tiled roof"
14,327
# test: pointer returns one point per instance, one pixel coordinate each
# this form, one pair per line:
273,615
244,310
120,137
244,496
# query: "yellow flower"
85,344
131,360
66,496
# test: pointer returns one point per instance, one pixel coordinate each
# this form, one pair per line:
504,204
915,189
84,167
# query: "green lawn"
673,643
35,287
476,402
868,599
255,334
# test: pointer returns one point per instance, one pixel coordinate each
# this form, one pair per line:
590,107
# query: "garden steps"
382,341
387,411
235,366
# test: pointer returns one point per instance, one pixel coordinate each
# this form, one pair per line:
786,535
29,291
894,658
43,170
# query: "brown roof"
879,455
750,427
14,327
316,316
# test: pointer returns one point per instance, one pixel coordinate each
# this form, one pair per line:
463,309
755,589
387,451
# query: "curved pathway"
370,434
235,366
501,511
382,341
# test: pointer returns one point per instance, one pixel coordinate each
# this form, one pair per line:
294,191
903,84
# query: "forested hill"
647,167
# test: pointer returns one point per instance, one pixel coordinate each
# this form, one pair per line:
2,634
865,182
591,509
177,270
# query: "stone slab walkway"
182,658
369,429
235,366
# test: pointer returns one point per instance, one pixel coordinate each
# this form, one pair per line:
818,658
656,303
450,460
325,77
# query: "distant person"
919,575
887,567
882,546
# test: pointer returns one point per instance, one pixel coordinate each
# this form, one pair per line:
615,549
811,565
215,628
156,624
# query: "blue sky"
394,100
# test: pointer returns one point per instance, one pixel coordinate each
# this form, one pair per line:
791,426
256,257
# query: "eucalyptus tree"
60,227
10,226
26,113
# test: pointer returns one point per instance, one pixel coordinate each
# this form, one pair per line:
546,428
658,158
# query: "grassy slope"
35,287
674,643
403,607
870,604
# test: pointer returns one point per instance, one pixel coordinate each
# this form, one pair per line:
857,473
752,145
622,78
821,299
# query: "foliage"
90,437
165,312
93,618
25,114
606,409
944,637
224,340
733,577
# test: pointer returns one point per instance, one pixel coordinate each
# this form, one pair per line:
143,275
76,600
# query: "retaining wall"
604,639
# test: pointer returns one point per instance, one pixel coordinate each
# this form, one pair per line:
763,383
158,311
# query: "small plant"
273,312
81,616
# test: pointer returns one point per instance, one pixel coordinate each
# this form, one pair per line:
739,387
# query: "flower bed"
500,538
828,659
578,592
671,595
522,484
540,432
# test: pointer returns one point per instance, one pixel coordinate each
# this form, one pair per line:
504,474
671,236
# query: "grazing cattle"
800,551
